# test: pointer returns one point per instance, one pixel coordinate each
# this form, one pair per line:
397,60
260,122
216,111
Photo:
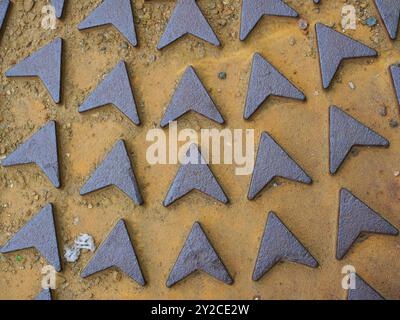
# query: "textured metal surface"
187,18
194,174
45,64
115,89
198,254
395,72
115,12
116,251
390,14
191,95
363,291
265,81
254,10
280,244
272,161
39,233
40,149
316,1
45,295
59,6
116,169
334,47
355,218
346,132
4,4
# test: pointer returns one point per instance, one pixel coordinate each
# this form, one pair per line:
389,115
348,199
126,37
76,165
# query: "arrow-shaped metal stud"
194,174
355,218
187,18
115,12
395,72
346,132
254,10
333,48
45,64
279,244
45,295
363,291
191,95
316,1
115,89
116,169
39,233
116,251
4,4
59,7
390,14
198,254
40,149
271,162
266,81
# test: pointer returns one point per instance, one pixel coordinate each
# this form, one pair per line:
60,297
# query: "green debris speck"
18,258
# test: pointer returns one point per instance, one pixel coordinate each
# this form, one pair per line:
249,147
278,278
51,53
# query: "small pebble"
222,75
352,85
372,21
303,24
393,123
383,111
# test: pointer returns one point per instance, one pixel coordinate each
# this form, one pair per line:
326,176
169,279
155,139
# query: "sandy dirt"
158,233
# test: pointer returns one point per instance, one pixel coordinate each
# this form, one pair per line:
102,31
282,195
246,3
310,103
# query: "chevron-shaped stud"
198,254
115,12
4,5
45,64
271,162
333,48
187,18
267,81
356,218
254,10
346,132
59,7
280,244
115,89
38,233
191,95
116,169
390,14
44,295
40,149
194,174
116,251
363,291
395,72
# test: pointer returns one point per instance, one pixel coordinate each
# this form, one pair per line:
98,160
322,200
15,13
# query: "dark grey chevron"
271,162
363,291
194,174
198,254
346,132
44,295
333,48
267,81
254,10
395,72
4,5
187,18
116,169
390,14
355,218
115,89
45,64
59,6
191,95
279,244
40,149
115,12
39,233
116,251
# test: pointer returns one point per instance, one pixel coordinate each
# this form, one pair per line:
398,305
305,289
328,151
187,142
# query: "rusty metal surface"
187,18
39,233
191,95
390,14
45,64
271,162
115,12
198,254
116,251
114,89
116,169
265,81
40,149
